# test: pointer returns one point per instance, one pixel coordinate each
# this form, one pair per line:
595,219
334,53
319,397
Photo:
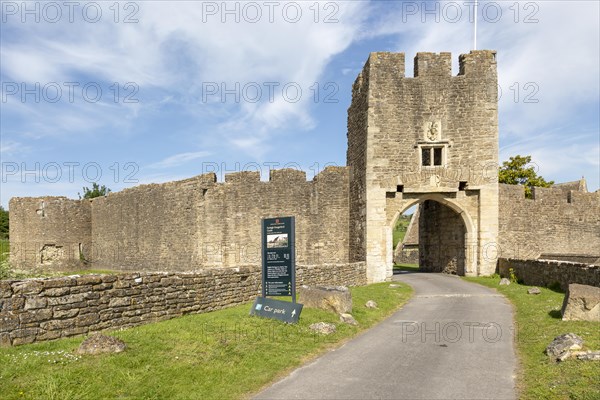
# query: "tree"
515,172
95,191
3,223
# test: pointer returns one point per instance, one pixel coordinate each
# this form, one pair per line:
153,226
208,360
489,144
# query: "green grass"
538,322
400,229
4,250
406,267
219,355
398,236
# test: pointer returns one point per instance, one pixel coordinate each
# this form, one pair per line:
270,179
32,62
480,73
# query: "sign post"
278,270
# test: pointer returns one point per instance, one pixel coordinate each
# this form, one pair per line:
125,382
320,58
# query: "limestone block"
534,290
348,319
371,304
324,328
559,349
97,344
581,303
330,298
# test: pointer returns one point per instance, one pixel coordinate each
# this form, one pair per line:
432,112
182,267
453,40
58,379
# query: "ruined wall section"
184,225
150,227
550,272
553,222
49,233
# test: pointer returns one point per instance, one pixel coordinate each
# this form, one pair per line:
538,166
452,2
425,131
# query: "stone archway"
447,238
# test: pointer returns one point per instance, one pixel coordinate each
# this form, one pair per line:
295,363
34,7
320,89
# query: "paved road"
453,340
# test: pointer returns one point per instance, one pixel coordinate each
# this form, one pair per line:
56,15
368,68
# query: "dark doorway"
441,239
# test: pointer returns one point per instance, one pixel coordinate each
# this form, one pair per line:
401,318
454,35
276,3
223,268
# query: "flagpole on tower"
475,26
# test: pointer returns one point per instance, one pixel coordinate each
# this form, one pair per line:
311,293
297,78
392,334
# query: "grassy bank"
4,249
538,322
400,228
219,355
406,267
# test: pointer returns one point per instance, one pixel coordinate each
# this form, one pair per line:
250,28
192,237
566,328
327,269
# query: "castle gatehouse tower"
430,140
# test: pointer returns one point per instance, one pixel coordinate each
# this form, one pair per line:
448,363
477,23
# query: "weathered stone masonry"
550,272
185,225
43,309
394,122
553,222
49,232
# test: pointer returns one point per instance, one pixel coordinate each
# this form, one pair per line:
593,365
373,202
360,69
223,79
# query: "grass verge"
4,249
224,354
538,322
406,267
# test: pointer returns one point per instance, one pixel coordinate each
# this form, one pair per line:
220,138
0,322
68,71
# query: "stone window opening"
432,156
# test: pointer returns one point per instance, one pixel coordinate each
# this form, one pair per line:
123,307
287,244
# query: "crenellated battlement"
477,63
553,221
551,195
432,64
243,176
287,175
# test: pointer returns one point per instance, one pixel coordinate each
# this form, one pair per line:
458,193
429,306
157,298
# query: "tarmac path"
452,340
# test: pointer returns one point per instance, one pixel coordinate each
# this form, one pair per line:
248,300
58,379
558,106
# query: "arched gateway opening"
444,233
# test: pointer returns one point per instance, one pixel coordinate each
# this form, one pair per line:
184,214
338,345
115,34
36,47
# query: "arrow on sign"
293,313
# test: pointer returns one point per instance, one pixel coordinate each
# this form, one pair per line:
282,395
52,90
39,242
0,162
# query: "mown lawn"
538,322
219,355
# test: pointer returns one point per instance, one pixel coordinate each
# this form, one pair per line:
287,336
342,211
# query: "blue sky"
152,91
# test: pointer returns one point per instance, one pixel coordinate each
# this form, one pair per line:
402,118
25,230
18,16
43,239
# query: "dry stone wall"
550,272
34,310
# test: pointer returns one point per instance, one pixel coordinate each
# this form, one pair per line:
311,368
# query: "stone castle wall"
186,225
35,310
356,158
52,233
553,222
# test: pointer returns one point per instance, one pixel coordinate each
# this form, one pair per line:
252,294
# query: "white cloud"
179,159
174,49
10,147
